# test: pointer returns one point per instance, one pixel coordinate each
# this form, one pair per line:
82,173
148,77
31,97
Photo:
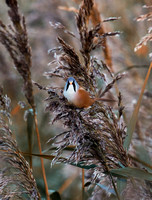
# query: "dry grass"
16,178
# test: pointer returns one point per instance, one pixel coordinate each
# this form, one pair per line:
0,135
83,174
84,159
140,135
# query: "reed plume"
97,133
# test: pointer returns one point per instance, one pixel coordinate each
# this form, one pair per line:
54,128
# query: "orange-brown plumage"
83,99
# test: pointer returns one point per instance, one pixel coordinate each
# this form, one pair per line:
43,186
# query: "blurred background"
42,37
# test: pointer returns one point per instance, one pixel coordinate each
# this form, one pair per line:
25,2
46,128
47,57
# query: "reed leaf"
133,120
132,172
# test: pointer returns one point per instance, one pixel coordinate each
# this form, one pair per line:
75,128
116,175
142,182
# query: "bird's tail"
106,100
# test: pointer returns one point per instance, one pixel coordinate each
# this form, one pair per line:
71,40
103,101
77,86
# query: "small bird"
78,96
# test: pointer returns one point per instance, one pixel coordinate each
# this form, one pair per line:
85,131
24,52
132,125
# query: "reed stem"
40,150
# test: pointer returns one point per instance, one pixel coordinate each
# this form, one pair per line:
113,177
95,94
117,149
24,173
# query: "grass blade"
146,165
30,125
143,155
48,157
81,165
132,172
121,185
106,188
133,120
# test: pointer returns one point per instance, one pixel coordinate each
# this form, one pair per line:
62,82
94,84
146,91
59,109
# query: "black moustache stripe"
74,86
67,86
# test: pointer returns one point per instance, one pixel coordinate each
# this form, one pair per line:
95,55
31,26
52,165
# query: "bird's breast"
70,94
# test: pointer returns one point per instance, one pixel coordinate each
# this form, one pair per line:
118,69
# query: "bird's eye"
67,86
74,87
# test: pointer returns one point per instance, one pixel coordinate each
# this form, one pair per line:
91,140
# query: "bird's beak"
70,83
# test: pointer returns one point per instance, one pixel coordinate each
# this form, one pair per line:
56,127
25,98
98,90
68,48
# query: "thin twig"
82,184
40,150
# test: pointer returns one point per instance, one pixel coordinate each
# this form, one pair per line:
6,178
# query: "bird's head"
71,85
70,89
